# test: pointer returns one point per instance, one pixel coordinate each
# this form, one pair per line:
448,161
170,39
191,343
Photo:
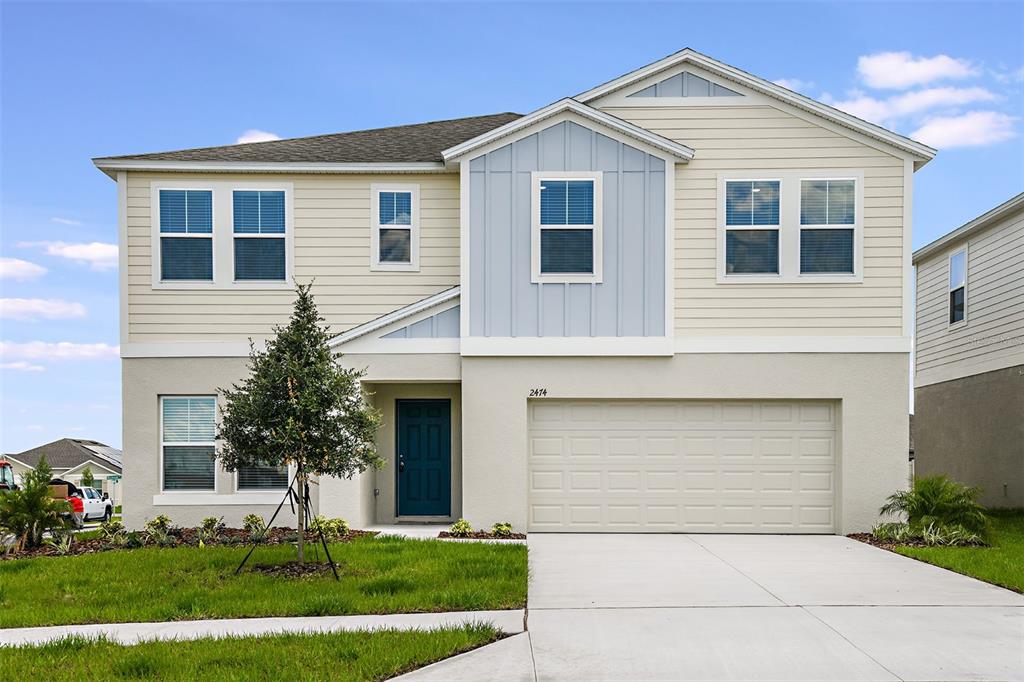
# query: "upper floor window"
259,235
567,228
958,286
187,432
188,215
827,215
395,232
752,227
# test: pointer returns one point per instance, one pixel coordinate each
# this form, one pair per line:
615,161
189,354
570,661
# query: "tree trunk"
301,480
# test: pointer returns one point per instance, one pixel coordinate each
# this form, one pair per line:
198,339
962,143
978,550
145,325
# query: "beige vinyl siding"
762,137
332,244
993,335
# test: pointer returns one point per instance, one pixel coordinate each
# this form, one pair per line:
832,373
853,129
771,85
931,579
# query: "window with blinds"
567,226
263,478
395,229
958,286
259,241
186,235
829,207
752,227
187,433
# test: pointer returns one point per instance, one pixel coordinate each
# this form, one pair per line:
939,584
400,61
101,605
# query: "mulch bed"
482,535
869,539
186,537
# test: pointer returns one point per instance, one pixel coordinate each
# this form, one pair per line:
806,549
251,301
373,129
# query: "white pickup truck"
96,505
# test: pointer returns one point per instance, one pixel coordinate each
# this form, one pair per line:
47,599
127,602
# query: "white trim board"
652,141
794,344
112,166
567,346
923,153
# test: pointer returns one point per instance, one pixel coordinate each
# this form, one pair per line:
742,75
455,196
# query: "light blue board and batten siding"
443,325
630,301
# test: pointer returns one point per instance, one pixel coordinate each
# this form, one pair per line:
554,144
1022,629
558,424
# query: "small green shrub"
134,540
461,529
109,529
936,511
159,523
333,529
502,530
254,524
61,539
209,531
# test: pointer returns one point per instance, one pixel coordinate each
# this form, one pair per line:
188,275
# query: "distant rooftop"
67,453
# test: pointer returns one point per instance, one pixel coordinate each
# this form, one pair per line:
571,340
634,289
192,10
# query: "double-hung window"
259,235
187,431
186,235
567,228
958,286
262,478
752,227
395,232
828,212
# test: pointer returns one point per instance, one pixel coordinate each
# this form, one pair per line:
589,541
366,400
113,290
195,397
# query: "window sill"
790,279
253,285
394,267
566,279
197,499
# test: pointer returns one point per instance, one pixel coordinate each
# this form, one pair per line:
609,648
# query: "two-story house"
677,301
969,362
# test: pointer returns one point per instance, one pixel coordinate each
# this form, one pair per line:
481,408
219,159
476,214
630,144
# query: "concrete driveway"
742,607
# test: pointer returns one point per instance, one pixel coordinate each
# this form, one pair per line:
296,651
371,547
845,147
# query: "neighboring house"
969,374
69,458
678,301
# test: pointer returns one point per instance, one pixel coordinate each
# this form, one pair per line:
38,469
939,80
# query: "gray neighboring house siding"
507,303
969,378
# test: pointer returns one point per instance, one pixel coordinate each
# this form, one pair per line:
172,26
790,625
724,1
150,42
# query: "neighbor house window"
186,235
263,478
958,286
187,429
567,229
394,239
752,227
827,217
259,235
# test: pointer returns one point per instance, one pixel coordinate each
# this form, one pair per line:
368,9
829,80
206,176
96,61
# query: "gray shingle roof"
68,453
422,142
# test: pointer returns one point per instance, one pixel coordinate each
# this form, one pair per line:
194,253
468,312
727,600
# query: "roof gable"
923,153
985,220
67,453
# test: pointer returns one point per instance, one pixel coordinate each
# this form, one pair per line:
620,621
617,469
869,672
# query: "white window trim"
595,277
789,229
777,227
950,288
290,471
288,274
223,236
375,227
158,235
163,444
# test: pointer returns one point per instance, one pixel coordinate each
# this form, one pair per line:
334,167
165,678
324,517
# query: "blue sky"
86,79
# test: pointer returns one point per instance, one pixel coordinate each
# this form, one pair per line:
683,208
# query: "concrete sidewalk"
131,633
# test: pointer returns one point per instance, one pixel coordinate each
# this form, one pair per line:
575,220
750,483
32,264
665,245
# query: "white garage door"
683,466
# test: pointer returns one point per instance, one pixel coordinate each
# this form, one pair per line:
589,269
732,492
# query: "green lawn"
377,655
378,575
1001,564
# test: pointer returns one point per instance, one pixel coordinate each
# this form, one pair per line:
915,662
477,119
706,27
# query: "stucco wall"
972,430
872,390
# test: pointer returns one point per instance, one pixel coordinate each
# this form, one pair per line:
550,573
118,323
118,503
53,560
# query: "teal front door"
424,457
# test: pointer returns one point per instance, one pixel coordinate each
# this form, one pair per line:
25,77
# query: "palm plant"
30,512
937,502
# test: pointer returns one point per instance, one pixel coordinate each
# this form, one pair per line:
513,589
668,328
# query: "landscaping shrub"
502,530
30,512
461,529
210,530
61,540
333,529
937,511
160,522
254,524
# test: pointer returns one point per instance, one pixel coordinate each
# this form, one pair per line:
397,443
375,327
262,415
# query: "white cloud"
973,129
98,255
63,350
254,135
20,270
889,108
66,221
39,308
900,70
794,84
22,366
1008,77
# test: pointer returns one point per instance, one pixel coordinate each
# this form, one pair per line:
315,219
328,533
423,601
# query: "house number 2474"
538,392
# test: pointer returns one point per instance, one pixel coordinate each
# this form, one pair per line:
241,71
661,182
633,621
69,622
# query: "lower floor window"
826,251
187,432
263,478
752,251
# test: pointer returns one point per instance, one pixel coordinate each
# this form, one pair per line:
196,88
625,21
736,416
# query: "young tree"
87,478
298,406
29,512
